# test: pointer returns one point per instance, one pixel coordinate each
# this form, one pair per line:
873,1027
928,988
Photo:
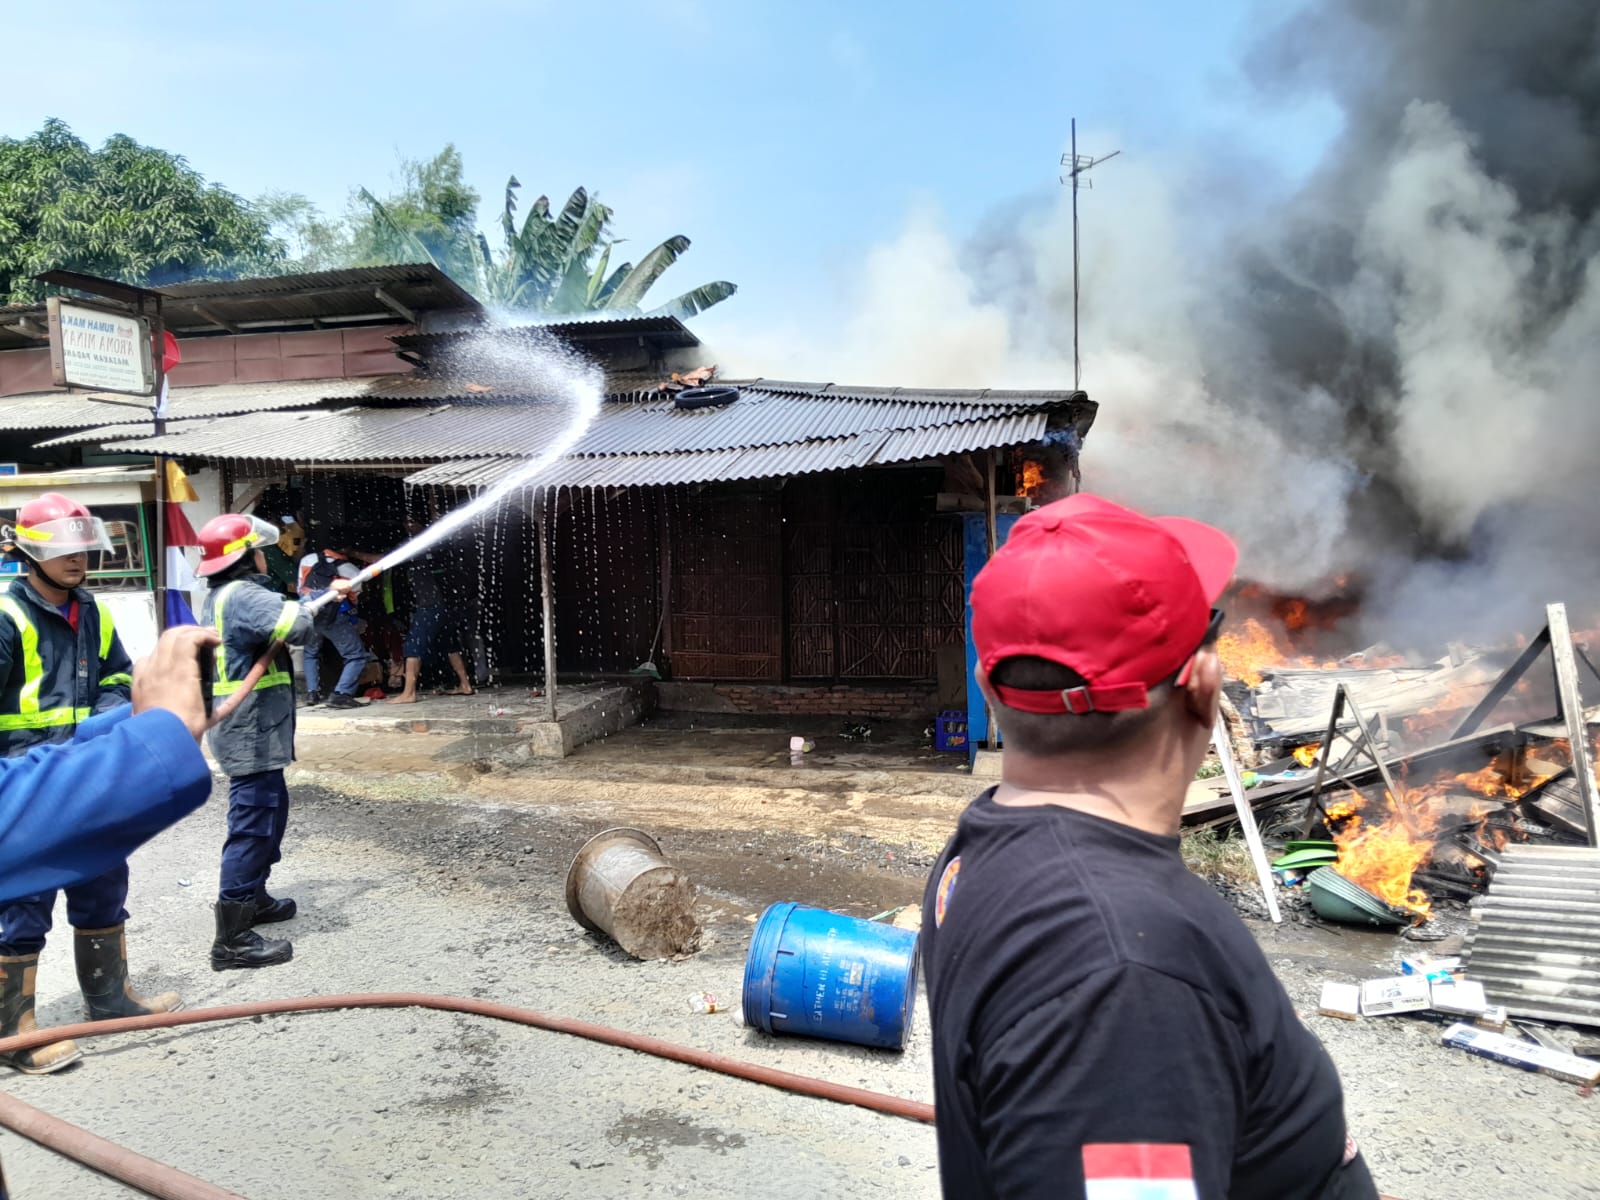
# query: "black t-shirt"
1099,1010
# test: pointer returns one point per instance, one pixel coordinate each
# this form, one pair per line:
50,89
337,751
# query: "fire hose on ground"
157,1179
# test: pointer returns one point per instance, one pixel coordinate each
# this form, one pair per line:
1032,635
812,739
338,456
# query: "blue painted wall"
976,553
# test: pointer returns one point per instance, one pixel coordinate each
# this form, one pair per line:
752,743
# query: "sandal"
455,692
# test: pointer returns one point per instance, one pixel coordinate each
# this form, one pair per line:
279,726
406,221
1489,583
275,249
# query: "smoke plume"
1383,375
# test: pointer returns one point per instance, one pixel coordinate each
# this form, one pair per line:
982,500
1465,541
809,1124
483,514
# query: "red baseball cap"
1122,599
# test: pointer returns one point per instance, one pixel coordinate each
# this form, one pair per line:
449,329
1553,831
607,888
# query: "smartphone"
208,675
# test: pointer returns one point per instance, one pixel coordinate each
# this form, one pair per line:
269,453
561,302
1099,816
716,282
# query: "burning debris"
1399,803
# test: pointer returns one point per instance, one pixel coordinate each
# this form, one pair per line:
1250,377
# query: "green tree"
312,242
124,211
553,262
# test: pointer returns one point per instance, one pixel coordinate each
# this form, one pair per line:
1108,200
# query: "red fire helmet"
55,526
225,539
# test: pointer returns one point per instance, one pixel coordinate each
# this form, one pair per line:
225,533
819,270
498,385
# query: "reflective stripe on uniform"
286,620
29,715
222,685
108,630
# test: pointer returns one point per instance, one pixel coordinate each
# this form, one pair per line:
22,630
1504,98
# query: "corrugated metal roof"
83,410
278,300
1535,944
667,332
733,463
636,443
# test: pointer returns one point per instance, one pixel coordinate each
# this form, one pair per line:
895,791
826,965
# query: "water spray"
544,367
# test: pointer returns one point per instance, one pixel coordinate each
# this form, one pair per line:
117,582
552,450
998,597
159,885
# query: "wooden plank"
1571,698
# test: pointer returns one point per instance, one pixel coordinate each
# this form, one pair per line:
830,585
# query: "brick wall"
909,702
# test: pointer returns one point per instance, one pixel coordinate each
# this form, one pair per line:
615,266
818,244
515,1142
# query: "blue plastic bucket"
822,974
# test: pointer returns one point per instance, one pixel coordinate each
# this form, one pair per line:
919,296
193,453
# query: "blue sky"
784,139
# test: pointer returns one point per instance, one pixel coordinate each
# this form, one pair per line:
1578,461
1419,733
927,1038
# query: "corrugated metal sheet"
762,462
82,410
763,434
276,300
661,331
1535,943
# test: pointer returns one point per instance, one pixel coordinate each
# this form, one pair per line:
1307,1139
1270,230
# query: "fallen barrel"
822,974
620,885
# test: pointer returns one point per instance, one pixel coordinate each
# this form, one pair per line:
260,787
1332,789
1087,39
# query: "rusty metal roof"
90,410
762,433
1535,943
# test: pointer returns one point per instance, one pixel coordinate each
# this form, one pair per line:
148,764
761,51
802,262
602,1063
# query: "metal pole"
1247,817
1077,372
547,601
158,351
991,543
1570,697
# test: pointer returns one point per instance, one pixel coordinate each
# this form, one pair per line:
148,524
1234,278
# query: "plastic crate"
950,730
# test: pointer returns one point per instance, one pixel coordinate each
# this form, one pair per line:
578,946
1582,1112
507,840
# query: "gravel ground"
421,867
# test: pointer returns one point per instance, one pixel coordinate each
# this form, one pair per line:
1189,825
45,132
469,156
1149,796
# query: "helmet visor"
62,537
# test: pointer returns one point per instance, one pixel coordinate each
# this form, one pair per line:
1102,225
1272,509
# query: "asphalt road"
418,891
420,868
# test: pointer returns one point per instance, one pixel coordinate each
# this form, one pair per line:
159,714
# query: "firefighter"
254,743
61,662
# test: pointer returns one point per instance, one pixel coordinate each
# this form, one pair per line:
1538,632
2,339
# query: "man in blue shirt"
61,662
71,811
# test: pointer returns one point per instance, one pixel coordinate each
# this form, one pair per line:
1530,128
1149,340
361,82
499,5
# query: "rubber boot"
103,977
17,978
270,911
238,945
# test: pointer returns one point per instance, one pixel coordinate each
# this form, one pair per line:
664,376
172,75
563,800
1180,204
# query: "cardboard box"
1522,1054
1494,1018
1441,969
1342,1000
1459,999
1397,994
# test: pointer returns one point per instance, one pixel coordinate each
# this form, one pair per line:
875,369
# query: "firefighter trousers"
95,904
258,814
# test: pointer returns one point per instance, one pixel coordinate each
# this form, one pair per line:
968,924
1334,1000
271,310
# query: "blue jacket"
51,677
72,812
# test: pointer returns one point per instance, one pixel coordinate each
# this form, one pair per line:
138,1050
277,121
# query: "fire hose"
264,663
168,1183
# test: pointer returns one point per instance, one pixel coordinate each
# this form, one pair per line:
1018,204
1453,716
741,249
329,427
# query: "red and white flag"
1138,1171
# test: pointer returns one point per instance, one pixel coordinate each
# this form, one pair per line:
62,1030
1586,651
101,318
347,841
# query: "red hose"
144,1174
804,1085
168,1183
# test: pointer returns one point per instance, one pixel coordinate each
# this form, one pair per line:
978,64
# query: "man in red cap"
1104,1025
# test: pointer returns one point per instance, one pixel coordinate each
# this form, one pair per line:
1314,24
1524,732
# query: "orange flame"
1307,755
1249,647
1032,478
1383,857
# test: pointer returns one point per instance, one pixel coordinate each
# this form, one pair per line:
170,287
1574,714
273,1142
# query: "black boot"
17,975
103,977
238,945
270,911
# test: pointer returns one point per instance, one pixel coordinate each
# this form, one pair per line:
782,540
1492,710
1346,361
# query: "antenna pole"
1077,170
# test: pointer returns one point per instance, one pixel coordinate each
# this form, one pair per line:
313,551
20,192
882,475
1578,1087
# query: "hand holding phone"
172,676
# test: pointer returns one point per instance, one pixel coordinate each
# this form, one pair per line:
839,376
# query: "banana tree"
560,262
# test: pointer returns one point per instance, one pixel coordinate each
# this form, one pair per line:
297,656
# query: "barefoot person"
431,623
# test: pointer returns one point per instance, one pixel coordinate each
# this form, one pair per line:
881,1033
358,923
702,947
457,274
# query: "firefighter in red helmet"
60,663
255,742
